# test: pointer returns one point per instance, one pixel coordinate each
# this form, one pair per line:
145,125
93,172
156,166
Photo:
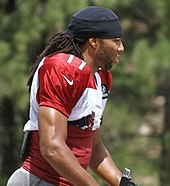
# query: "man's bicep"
52,125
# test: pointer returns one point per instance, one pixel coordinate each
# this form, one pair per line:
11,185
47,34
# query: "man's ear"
93,42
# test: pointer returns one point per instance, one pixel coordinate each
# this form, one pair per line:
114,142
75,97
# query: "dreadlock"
59,43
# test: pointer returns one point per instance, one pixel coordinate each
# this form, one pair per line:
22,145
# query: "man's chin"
116,62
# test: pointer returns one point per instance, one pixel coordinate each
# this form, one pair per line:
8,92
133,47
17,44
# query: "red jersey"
64,82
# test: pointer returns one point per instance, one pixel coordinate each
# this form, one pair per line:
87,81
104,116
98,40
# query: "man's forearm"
64,162
103,165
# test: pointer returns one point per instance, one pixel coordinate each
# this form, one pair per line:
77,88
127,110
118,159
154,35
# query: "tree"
24,32
140,78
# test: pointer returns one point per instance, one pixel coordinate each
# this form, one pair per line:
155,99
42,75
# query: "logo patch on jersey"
105,91
68,81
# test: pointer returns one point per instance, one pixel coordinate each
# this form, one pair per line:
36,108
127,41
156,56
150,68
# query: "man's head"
101,27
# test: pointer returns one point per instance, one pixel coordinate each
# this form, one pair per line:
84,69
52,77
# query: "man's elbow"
51,151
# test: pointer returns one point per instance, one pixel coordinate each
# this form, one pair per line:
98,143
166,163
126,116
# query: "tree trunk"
8,146
165,156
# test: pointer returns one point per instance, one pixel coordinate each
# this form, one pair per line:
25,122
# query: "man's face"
108,53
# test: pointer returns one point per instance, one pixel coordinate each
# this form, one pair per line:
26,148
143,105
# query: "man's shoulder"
106,74
67,61
68,65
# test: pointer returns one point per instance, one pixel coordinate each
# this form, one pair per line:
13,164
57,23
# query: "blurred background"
136,127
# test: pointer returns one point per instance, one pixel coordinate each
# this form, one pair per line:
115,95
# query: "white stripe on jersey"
32,123
90,101
99,87
70,59
81,66
98,81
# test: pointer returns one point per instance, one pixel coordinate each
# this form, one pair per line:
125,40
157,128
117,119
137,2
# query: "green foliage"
164,175
4,48
162,56
24,30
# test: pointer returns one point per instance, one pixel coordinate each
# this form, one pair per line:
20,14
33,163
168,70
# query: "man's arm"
102,164
53,133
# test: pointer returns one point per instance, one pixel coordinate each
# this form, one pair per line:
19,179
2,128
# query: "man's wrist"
126,179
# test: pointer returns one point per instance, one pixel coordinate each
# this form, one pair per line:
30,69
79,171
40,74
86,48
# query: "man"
69,86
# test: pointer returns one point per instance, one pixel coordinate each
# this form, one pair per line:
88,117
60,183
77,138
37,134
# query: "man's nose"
121,47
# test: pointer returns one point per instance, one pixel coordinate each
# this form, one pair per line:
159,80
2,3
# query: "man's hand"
126,179
130,183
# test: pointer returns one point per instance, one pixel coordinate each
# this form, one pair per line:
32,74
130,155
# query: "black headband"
95,21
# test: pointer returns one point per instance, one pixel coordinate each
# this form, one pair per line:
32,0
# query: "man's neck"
88,58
